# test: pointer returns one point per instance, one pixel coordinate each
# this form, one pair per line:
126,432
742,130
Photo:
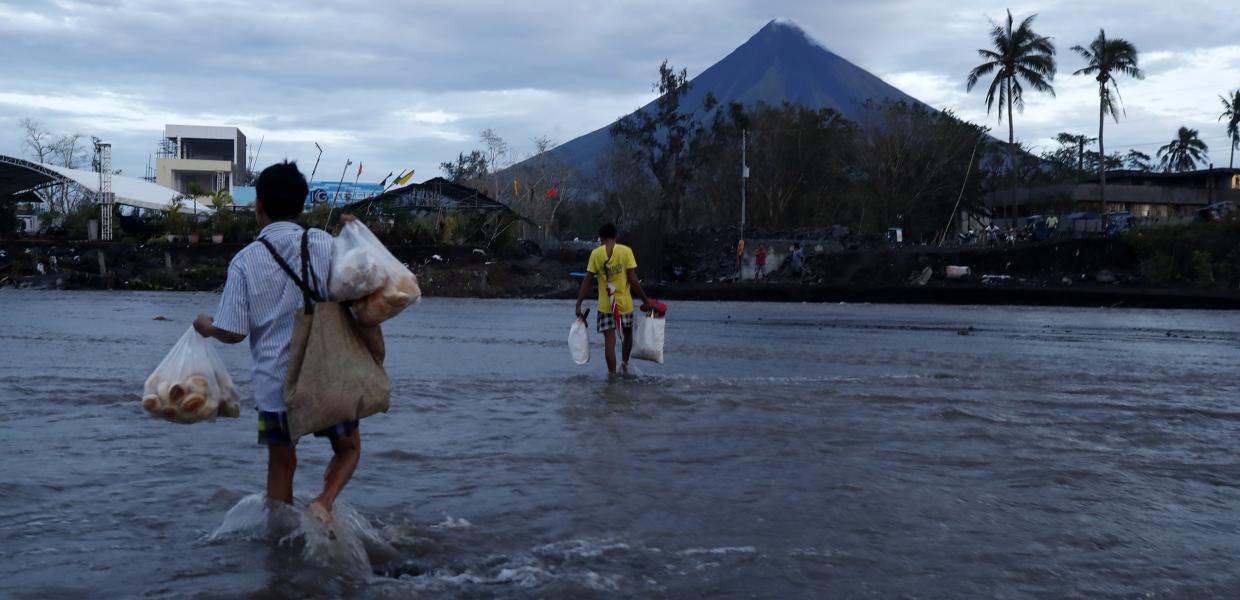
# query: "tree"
1183,153
38,140
496,150
1015,55
1231,112
1137,161
661,139
912,162
468,168
64,151
541,185
1104,60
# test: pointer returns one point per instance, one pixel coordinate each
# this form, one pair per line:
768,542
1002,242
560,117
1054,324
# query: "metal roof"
20,178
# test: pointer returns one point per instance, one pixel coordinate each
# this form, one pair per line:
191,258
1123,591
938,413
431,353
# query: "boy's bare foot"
321,510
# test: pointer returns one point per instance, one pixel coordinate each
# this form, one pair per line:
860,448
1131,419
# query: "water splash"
348,545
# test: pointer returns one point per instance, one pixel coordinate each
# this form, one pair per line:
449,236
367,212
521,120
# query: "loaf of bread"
198,384
195,399
388,301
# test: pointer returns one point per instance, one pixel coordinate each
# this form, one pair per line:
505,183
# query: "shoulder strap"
309,295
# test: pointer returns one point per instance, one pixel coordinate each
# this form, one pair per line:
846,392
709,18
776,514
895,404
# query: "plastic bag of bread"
355,263
364,271
191,384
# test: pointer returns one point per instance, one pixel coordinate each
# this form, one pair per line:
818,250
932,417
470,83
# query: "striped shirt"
260,301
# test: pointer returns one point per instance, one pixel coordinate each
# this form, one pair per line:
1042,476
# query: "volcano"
781,63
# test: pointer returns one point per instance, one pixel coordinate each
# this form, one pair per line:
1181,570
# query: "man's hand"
346,219
578,312
204,325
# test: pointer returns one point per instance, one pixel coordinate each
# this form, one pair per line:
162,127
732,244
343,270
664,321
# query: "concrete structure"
1153,196
211,157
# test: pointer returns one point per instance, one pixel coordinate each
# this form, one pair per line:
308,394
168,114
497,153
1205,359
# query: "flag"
552,193
384,182
359,169
515,192
404,178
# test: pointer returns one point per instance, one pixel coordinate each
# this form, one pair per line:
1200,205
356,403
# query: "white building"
212,157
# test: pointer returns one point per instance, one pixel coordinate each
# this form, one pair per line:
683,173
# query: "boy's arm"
587,282
637,285
205,326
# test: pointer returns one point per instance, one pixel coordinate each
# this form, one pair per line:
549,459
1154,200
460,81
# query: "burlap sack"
335,366
335,370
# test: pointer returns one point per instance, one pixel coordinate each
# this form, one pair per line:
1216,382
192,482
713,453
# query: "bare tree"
38,140
496,153
67,151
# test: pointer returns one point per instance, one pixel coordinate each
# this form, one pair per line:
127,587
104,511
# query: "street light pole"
316,161
347,162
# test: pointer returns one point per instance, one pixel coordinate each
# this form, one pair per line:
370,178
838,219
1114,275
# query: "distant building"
211,157
334,193
1156,196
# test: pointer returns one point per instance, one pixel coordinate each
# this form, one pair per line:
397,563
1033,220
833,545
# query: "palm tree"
1104,59
1231,112
1015,55
1184,152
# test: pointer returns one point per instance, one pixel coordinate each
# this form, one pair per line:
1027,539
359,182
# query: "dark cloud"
398,83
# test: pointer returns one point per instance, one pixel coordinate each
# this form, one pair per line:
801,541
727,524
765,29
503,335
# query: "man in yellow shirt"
616,269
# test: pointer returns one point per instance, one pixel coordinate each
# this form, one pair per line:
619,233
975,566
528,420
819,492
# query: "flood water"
799,450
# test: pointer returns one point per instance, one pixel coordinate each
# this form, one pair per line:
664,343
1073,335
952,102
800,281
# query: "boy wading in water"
616,269
259,302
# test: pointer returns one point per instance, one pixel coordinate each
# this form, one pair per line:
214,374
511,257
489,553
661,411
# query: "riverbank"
1093,272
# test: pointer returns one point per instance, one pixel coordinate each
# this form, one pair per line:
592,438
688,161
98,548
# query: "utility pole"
740,246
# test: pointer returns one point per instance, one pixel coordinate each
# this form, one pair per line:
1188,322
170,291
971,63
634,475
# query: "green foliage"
446,228
175,221
1201,268
1017,57
77,222
1184,152
580,219
1186,253
1158,268
409,229
322,216
8,218
1229,269
468,168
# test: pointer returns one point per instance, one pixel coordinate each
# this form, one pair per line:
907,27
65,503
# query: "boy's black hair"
607,232
282,189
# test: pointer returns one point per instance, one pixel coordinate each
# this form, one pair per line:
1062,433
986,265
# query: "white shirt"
260,301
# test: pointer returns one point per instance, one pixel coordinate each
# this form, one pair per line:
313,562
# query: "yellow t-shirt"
614,270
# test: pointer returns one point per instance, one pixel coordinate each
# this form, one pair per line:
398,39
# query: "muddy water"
783,451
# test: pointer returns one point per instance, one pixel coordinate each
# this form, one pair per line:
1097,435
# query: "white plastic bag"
365,271
648,335
191,384
579,341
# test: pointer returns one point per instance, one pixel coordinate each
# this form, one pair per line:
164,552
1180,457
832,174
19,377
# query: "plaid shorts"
273,429
606,322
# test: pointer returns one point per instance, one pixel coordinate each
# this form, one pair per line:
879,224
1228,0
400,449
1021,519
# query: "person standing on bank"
759,257
615,267
260,302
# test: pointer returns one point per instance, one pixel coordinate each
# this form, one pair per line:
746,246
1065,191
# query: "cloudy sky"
409,84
